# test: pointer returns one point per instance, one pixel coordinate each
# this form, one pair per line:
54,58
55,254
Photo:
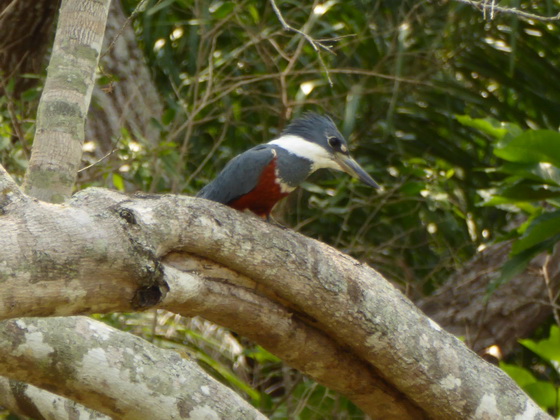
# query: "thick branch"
57,147
113,372
348,302
104,279
30,401
237,302
351,303
60,260
329,294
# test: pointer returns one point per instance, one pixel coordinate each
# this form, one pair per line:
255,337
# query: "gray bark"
414,369
30,401
113,372
57,147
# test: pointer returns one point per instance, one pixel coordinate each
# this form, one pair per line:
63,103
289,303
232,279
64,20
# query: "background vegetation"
441,104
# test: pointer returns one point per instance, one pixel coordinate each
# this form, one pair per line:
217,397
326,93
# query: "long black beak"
351,167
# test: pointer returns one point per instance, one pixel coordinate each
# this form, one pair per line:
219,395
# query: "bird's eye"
335,142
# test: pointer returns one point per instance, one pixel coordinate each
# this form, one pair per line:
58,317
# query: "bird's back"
239,176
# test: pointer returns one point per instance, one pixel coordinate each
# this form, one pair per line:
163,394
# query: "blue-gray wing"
239,176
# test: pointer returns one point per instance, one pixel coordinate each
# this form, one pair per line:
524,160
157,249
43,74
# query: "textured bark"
56,261
26,28
57,147
132,100
237,302
102,279
464,307
327,295
30,401
113,372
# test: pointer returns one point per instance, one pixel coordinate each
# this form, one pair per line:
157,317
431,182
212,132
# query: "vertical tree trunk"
57,147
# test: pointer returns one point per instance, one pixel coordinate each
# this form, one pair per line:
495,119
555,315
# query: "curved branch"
113,372
351,302
201,287
308,289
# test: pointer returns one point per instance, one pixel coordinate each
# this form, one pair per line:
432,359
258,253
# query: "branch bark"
30,401
113,372
407,362
59,136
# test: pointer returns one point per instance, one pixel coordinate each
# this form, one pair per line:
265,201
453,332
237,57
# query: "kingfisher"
257,179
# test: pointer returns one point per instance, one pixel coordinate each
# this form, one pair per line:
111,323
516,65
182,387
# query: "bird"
258,178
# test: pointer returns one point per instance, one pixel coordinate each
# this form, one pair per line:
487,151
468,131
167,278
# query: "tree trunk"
59,136
465,307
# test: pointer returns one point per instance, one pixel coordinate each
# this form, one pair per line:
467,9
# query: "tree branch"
59,136
317,45
490,6
30,401
201,287
323,292
463,307
113,372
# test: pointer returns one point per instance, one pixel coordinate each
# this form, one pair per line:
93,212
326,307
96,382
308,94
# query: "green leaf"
545,394
534,146
523,191
520,375
118,182
412,188
549,348
168,116
223,10
488,126
539,172
541,229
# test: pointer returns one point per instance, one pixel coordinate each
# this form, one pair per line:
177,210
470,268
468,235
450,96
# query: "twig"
549,290
484,6
317,45
111,45
8,8
104,157
210,154
132,16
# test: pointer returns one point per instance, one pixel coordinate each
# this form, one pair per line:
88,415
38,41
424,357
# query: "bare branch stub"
486,5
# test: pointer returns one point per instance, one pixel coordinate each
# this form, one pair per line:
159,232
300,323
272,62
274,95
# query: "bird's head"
316,138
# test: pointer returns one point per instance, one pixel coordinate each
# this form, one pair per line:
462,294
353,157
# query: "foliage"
541,381
529,183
